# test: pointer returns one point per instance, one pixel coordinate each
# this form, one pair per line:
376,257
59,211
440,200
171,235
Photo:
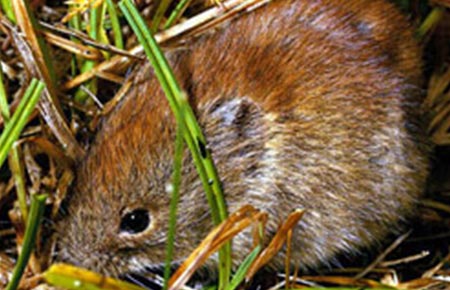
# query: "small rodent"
304,104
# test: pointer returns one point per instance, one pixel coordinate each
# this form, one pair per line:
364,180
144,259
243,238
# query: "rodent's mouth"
144,281
151,277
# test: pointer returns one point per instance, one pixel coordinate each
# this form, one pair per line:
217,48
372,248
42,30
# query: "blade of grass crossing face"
14,128
171,91
34,220
176,100
192,133
176,180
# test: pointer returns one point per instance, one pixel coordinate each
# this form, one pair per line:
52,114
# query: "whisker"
143,281
54,255
7,232
48,221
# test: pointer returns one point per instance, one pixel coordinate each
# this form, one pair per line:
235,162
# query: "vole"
304,104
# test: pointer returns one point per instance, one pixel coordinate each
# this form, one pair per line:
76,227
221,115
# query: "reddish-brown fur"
305,104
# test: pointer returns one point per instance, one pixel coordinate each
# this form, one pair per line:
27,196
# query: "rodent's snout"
80,248
88,241
112,239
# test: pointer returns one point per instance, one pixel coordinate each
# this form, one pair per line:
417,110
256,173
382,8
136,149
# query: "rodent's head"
118,215
117,219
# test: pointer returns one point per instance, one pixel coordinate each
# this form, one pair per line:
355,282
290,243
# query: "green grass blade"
159,14
4,110
16,167
117,31
178,101
8,9
17,123
176,181
34,220
431,21
136,22
74,23
176,13
192,133
14,157
239,276
95,22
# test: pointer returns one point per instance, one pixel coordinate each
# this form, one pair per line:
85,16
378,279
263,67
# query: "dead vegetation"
58,131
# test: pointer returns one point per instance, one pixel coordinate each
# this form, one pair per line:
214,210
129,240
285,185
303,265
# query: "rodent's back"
310,104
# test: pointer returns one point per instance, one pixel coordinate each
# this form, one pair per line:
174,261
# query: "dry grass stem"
35,64
184,29
86,40
234,224
72,47
437,103
383,255
275,244
405,260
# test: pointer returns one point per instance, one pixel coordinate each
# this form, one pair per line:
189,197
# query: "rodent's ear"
241,115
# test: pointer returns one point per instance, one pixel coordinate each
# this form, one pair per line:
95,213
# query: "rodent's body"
305,104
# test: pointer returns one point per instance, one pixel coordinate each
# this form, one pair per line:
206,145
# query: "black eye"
135,221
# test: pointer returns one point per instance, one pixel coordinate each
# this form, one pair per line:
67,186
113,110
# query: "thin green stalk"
159,14
171,89
176,13
176,100
239,276
18,172
95,15
14,127
95,20
192,132
176,181
102,35
432,19
14,157
4,110
75,23
34,220
7,8
117,31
